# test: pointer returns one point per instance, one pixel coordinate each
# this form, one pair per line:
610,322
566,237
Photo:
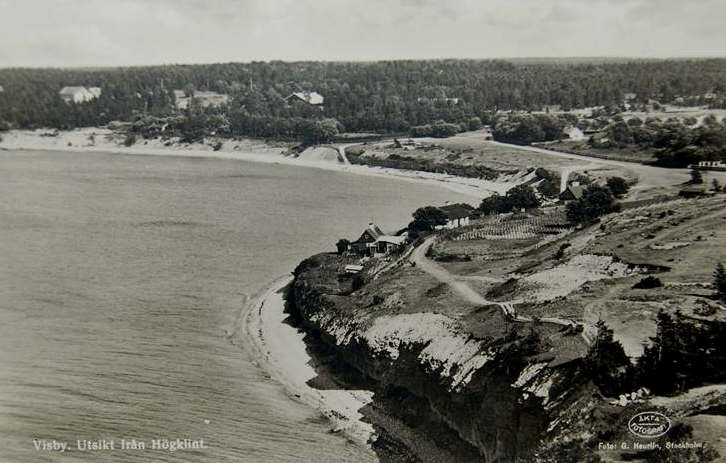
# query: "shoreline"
278,349
247,150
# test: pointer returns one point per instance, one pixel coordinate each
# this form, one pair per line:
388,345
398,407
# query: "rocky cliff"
502,393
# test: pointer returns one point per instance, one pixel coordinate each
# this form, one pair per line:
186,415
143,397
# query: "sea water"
121,279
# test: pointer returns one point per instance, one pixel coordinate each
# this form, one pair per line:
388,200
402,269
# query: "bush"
524,130
130,140
595,201
519,197
617,186
342,245
648,282
719,281
357,282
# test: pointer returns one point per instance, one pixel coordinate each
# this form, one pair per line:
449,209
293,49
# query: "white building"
711,164
457,215
79,94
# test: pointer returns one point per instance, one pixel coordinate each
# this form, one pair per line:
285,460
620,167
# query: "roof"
353,268
1,88
457,211
313,98
374,230
575,190
399,240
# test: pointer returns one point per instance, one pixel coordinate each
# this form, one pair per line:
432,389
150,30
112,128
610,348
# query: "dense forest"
391,96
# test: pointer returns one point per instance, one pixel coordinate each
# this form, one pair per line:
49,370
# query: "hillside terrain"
483,335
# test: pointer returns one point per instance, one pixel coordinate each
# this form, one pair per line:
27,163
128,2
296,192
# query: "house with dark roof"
457,215
367,240
311,98
571,193
375,243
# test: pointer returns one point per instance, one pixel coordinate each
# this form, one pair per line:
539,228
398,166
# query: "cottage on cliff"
374,242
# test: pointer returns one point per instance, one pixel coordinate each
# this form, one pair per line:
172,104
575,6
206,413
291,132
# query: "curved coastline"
252,151
279,349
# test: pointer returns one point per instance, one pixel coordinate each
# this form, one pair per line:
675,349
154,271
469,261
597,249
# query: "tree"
522,197
617,186
719,281
716,185
519,197
342,245
606,361
430,215
696,177
595,201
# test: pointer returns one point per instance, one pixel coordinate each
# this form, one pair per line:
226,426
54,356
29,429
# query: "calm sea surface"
120,277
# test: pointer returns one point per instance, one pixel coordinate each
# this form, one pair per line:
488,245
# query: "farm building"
571,193
457,215
311,98
79,94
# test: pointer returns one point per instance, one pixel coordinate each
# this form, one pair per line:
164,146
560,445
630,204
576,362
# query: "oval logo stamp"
649,425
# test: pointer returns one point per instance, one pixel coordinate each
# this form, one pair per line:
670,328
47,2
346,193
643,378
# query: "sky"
71,33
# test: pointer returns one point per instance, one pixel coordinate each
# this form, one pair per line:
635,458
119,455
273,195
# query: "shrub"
595,201
696,177
618,186
519,197
719,281
357,282
648,282
342,245
130,140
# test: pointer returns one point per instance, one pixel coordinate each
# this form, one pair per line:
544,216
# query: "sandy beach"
281,352
102,140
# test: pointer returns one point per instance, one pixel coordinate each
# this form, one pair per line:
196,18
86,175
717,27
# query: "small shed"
353,269
386,244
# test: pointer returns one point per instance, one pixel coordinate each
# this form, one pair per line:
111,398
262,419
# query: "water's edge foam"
279,350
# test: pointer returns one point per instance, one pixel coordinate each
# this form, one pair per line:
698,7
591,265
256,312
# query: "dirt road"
461,288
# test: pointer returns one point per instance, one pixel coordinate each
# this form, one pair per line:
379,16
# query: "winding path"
460,287
343,156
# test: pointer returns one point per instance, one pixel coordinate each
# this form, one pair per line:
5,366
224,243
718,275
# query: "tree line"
389,96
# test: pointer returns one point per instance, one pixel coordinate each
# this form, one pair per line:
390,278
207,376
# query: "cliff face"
497,394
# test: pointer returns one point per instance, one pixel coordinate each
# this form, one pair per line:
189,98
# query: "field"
589,274
472,154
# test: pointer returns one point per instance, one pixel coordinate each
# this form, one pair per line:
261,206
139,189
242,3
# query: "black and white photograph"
360,231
